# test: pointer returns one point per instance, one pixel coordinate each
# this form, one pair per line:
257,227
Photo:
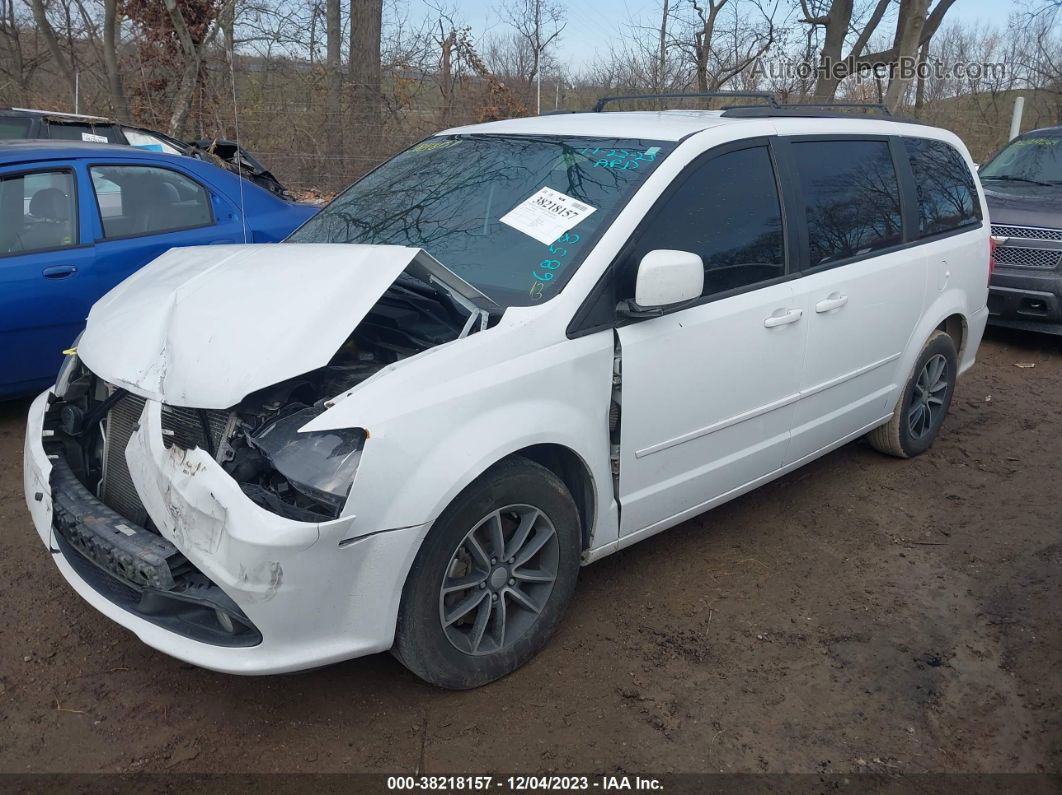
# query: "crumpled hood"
207,325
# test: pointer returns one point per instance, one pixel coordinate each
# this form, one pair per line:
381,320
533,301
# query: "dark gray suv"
1023,186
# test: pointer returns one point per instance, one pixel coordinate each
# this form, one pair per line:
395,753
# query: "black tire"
422,643
900,436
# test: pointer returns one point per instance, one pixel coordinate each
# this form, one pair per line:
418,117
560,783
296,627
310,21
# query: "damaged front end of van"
185,472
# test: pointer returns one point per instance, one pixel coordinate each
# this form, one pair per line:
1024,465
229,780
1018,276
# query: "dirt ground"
861,614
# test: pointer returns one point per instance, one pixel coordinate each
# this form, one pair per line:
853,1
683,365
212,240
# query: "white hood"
208,325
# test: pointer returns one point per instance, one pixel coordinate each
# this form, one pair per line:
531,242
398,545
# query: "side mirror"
667,277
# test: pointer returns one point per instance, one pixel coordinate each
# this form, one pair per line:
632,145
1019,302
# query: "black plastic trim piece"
140,571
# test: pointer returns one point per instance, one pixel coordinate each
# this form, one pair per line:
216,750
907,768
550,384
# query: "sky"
592,23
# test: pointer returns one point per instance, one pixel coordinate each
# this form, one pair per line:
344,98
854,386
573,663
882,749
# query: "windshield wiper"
1011,178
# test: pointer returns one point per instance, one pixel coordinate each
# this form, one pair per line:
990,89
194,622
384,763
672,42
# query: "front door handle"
831,302
59,271
783,316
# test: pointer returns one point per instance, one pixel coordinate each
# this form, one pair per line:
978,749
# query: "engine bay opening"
301,476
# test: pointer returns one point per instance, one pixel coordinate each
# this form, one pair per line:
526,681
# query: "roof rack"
772,102
822,110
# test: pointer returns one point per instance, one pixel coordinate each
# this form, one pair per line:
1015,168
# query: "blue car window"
37,212
141,200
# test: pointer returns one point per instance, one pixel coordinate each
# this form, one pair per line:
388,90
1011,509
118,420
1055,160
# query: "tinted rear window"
13,127
947,197
851,196
84,131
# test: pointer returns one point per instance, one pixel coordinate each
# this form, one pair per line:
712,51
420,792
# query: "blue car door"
46,272
144,210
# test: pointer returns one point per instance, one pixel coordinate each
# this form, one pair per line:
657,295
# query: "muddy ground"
863,613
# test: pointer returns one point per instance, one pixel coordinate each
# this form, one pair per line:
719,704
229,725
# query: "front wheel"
492,579
924,402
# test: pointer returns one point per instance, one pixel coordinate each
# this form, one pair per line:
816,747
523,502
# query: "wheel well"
572,470
955,327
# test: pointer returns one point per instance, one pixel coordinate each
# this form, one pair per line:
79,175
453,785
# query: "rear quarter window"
947,196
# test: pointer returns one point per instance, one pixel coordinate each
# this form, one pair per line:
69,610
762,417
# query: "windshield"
513,215
1036,159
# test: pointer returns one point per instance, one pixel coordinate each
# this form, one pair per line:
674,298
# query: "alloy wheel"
927,401
499,579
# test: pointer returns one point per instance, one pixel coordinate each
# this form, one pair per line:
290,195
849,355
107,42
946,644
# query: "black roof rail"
766,95
811,111
875,106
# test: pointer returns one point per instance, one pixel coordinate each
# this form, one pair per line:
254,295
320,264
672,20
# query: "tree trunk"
193,58
702,45
333,78
111,23
661,74
836,22
909,28
366,20
61,62
182,100
920,86
446,85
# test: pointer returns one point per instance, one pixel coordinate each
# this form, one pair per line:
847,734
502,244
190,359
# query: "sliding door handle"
783,316
831,302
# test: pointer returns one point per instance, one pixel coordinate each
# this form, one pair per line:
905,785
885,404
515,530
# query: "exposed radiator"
117,490
185,427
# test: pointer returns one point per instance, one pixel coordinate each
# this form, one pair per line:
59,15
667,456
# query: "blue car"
77,218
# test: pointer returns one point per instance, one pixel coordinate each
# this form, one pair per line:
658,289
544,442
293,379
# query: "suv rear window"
851,196
947,197
13,127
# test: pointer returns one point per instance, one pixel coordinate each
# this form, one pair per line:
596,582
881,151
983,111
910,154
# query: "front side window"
37,212
852,198
142,200
1035,159
726,210
947,197
513,215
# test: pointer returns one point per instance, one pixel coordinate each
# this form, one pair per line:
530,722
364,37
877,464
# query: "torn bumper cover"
272,595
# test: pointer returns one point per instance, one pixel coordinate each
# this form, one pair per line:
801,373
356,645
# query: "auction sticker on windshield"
547,215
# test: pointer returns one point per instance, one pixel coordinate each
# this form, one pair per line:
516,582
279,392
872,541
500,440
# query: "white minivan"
509,351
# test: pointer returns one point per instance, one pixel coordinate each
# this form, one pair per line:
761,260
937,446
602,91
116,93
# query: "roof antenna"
236,124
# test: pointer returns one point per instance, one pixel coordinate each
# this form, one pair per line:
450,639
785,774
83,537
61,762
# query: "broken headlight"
319,464
69,370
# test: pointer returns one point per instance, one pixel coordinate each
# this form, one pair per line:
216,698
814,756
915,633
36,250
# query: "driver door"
708,391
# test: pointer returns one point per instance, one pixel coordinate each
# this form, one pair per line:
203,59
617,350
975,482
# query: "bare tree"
111,30
193,52
366,21
915,26
62,61
537,24
333,77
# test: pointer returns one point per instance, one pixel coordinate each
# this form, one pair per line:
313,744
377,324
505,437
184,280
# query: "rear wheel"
492,579
924,402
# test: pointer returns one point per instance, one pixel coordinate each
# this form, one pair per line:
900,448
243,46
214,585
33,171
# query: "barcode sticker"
547,215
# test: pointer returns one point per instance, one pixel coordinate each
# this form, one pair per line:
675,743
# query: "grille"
1027,257
184,427
1027,232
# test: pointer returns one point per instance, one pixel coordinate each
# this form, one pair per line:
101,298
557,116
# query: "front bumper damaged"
225,584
